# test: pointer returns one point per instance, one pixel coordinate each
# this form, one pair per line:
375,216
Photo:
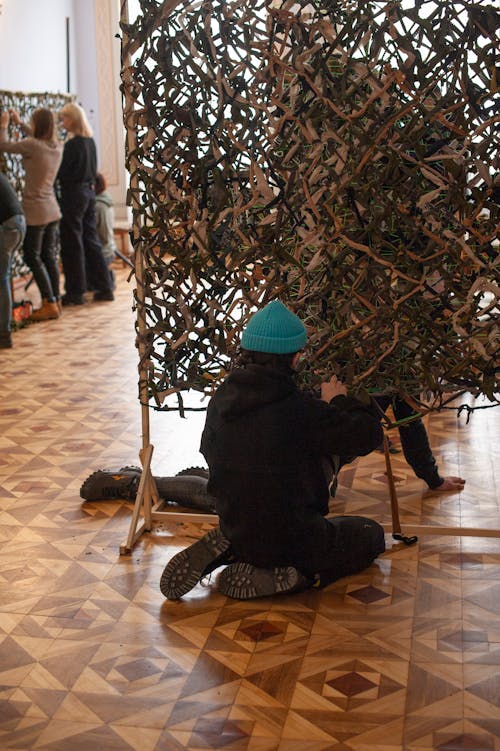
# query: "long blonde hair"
79,122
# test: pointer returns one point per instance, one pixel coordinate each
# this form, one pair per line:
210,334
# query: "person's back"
41,153
271,453
79,165
266,443
41,163
81,251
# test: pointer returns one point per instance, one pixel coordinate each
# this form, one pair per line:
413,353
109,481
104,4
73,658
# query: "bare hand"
332,388
14,116
450,484
4,119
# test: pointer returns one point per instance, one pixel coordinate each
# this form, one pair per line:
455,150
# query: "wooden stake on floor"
396,524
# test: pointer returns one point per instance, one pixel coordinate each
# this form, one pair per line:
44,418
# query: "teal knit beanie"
275,330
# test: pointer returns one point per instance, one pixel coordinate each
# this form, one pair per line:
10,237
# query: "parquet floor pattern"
405,655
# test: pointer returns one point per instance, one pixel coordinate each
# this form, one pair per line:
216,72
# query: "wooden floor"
403,656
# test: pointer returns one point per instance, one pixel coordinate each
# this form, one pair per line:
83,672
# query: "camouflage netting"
12,164
338,155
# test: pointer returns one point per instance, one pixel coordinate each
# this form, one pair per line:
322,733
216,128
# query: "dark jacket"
79,162
265,442
9,202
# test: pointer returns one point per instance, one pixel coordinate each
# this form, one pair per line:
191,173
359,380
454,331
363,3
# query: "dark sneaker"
243,581
110,484
106,296
72,300
184,570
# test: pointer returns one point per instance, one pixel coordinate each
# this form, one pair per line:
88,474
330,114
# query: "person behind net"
416,447
270,450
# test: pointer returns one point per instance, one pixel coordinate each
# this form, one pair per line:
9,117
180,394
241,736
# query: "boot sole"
184,570
109,485
242,581
39,319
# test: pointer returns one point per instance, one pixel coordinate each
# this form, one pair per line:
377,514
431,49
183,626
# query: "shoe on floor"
47,312
5,340
106,296
242,581
111,484
184,570
72,300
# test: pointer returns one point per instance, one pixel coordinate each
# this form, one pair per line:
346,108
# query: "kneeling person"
270,450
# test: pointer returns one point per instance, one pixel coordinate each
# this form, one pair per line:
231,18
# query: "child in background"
105,220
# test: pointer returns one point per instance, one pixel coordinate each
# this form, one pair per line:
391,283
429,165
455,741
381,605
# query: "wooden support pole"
396,524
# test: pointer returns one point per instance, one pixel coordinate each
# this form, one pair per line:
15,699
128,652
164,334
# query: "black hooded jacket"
265,442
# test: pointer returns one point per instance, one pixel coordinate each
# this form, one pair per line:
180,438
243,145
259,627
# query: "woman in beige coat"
41,153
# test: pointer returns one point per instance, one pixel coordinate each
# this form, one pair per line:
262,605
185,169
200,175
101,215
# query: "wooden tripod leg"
146,493
396,524
150,491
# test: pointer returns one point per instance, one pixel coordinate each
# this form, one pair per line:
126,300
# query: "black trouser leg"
358,542
415,445
414,441
186,490
73,205
49,256
33,252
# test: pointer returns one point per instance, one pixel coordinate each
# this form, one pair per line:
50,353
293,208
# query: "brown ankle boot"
48,311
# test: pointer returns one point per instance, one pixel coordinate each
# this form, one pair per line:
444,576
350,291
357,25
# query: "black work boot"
110,484
243,581
184,570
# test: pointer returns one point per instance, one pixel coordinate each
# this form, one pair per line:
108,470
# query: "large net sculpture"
340,156
12,164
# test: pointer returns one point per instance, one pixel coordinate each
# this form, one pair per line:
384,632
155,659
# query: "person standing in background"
12,229
81,250
105,218
41,153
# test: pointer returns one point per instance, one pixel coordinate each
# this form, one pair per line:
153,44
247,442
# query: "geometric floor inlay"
404,656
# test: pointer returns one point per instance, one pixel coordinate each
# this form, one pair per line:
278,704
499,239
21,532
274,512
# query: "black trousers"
356,540
81,249
414,441
40,255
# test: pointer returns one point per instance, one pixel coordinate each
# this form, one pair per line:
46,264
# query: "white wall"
33,58
85,69
33,44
